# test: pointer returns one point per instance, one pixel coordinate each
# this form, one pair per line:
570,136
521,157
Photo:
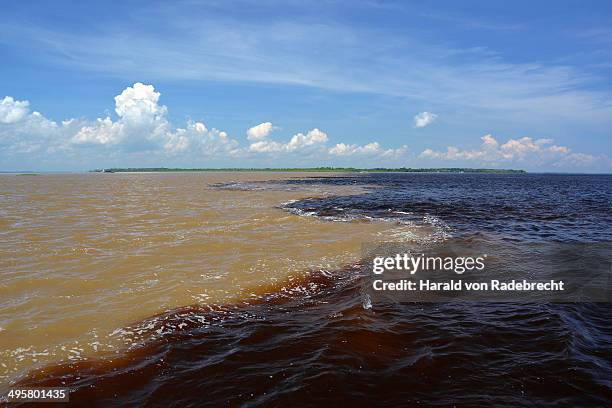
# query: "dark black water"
319,345
527,207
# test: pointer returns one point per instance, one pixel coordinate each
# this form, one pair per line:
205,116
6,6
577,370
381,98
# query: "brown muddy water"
246,289
84,255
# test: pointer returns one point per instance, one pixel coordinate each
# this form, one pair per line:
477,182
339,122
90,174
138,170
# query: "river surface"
243,289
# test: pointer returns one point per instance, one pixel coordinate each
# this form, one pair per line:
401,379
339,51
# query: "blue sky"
344,83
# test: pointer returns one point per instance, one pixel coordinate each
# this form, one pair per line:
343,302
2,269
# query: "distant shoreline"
311,170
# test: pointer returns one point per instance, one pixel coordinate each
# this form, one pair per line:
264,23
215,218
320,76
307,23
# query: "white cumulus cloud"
141,124
31,133
142,121
196,138
259,132
314,138
12,111
138,104
424,118
521,151
103,131
370,149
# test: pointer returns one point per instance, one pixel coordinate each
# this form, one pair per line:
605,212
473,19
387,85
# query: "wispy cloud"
474,23
326,55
